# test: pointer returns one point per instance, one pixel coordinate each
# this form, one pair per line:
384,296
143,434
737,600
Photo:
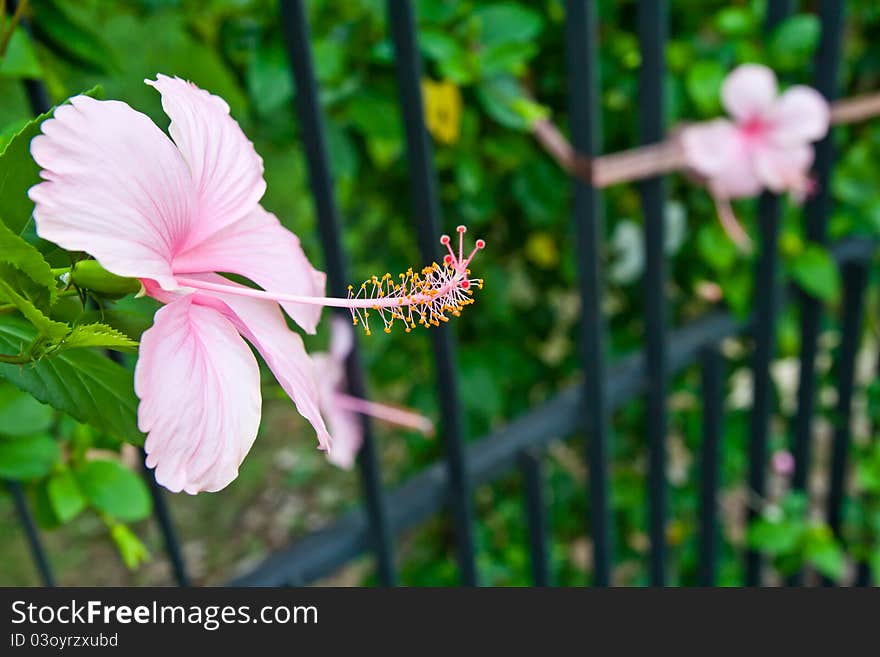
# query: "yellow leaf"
442,110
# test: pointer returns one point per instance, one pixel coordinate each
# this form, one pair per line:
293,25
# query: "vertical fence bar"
855,279
863,568
38,552
426,209
166,525
536,516
817,210
653,20
585,113
766,291
296,33
712,378
767,294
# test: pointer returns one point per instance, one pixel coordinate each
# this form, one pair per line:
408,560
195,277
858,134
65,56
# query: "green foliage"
115,490
26,457
788,535
85,384
815,271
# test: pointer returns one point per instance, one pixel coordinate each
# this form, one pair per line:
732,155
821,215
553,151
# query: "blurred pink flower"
342,410
144,206
783,463
766,145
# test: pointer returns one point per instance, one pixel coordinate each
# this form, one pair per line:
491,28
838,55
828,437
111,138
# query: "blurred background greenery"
517,344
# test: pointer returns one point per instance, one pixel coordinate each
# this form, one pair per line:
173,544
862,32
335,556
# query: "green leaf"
824,553
27,457
82,383
38,284
65,497
268,79
19,172
501,98
875,564
71,37
21,414
131,549
794,42
20,60
115,490
704,79
774,537
437,45
816,272
98,335
507,23
506,58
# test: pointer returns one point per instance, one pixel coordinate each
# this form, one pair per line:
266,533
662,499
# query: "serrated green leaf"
38,286
27,457
19,172
97,335
65,496
21,414
115,490
81,382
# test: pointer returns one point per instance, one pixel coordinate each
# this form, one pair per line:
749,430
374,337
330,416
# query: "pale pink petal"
345,426
258,247
227,172
749,91
341,338
115,187
262,324
708,146
199,386
347,430
717,151
783,169
801,115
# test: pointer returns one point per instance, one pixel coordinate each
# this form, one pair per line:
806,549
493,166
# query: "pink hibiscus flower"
342,411
175,214
767,145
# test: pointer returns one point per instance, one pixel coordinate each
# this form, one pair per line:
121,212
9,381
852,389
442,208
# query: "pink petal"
783,169
199,386
708,146
749,91
341,339
345,426
115,187
227,172
801,115
261,249
262,324
717,151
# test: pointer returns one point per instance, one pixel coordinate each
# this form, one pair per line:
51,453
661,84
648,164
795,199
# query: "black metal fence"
584,409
